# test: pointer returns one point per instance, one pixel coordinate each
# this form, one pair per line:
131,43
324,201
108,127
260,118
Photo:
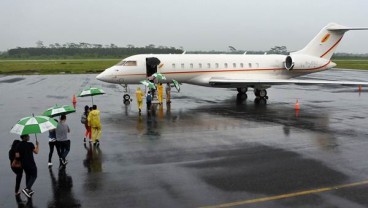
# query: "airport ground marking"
284,196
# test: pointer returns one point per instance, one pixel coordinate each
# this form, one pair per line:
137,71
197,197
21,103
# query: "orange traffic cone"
74,101
297,107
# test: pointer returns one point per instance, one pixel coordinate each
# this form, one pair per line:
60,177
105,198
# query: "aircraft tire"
242,89
126,97
263,93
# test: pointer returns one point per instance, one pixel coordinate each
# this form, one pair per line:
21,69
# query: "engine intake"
289,64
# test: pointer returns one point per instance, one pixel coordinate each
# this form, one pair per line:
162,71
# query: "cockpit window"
127,63
130,63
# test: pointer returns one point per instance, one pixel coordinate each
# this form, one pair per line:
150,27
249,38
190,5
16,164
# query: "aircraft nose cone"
101,77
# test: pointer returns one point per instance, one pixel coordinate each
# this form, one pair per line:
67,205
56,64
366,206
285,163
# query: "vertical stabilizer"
326,41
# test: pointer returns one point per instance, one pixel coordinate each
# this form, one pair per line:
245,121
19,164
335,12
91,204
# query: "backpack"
83,118
149,98
13,149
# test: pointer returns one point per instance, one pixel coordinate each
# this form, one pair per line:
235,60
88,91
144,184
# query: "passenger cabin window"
130,63
208,65
182,66
234,65
173,66
217,65
250,65
241,65
191,66
200,66
225,65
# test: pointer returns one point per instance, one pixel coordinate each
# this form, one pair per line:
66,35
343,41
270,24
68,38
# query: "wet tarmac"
205,149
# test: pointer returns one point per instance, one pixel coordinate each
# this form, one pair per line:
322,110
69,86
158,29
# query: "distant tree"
150,46
39,44
57,45
130,46
83,45
278,50
97,45
52,46
113,45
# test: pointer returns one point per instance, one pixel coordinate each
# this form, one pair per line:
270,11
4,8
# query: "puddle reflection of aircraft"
261,112
240,71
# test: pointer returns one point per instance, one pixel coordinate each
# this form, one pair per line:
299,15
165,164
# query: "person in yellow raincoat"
160,91
139,94
95,124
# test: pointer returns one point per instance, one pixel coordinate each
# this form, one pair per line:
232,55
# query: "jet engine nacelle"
298,61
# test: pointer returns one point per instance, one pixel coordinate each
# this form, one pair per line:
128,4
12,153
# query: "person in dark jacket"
18,171
24,152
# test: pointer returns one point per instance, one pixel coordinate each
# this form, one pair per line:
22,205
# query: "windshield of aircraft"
127,63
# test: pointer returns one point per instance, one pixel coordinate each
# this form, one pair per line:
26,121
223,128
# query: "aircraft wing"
232,82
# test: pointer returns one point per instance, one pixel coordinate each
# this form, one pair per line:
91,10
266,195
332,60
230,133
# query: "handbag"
16,164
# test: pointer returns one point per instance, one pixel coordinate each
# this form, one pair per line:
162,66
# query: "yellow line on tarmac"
283,196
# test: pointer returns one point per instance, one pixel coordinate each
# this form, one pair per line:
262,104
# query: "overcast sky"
191,24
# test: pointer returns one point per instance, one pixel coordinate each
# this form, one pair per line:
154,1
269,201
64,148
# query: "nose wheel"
127,99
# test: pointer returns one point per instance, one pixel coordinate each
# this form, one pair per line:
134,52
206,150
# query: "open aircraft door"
151,65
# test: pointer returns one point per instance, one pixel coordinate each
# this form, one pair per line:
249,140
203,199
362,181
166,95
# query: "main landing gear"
259,93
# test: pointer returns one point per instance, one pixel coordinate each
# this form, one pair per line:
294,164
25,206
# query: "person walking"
139,94
149,100
168,93
95,124
52,145
160,93
17,170
63,143
84,121
24,152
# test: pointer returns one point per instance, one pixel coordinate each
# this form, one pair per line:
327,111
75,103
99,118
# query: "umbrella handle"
36,137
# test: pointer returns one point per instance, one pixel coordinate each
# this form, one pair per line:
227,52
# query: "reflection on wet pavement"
209,146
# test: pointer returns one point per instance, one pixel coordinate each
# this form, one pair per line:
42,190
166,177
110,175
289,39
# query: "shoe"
27,192
84,139
31,192
49,164
64,162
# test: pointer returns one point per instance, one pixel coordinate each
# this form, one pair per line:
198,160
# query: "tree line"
88,50
84,50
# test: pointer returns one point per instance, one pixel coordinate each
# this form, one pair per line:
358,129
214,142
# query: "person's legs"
67,148
31,177
51,145
58,148
94,134
19,175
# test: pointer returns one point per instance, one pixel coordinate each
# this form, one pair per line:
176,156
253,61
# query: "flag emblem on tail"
325,38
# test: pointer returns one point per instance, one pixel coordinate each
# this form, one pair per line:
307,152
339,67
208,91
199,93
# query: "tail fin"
326,41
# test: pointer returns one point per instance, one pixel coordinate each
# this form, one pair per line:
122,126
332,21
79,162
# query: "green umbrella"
58,110
177,85
148,84
92,91
33,125
159,76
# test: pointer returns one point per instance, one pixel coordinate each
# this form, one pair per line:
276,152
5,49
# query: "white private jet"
239,71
